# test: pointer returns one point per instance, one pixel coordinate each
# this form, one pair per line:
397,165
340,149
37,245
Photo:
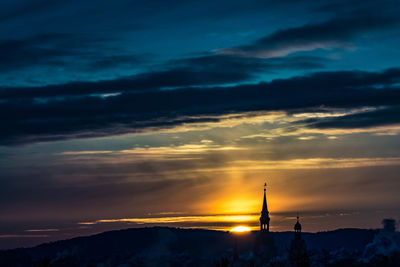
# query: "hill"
169,246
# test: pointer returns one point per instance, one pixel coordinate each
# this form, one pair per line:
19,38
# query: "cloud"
43,230
96,44
139,154
58,199
380,117
23,236
28,8
309,129
186,152
17,54
63,50
203,71
180,219
312,163
26,120
334,33
356,7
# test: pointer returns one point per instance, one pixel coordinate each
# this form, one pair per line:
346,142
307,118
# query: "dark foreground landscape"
162,246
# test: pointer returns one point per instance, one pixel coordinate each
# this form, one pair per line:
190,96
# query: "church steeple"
264,219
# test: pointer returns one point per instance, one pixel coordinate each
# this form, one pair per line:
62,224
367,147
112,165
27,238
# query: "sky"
139,113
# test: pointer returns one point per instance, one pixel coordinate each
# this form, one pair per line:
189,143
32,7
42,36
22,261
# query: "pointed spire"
265,207
264,219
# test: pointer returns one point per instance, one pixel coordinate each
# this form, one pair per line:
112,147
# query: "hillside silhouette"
160,246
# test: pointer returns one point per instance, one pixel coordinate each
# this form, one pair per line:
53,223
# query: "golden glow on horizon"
211,222
227,175
240,229
181,219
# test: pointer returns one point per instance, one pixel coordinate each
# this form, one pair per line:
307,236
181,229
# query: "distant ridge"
157,244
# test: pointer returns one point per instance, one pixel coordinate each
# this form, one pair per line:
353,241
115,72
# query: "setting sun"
240,229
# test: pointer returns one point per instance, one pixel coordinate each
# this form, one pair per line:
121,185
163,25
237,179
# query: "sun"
240,229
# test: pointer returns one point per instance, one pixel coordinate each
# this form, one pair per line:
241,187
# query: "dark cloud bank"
192,89
328,34
91,52
199,71
27,119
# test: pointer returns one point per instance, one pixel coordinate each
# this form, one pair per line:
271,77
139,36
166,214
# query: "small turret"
297,226
298,254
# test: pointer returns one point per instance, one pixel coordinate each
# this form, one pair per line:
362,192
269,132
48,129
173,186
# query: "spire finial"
297,216
265,186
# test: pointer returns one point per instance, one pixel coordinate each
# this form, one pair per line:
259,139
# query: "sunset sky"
175,113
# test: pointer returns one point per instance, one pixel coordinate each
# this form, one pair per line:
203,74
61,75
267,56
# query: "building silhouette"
264,219
297,228
298,255
265,249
